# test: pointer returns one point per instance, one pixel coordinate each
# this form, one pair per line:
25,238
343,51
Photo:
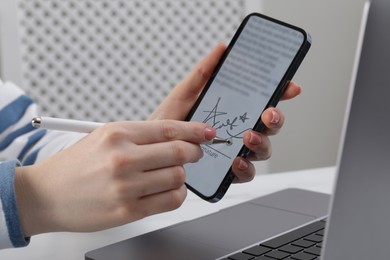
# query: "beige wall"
312,131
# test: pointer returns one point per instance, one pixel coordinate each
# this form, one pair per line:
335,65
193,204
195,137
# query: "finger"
150,132
273,119
163,202
292,90
160,180
244,170
167,154
259,145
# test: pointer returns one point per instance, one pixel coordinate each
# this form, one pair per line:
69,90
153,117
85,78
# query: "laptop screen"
358,224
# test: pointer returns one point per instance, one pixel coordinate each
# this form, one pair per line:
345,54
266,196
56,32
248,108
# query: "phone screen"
256,62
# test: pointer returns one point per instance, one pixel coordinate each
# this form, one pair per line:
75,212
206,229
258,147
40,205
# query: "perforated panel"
112,60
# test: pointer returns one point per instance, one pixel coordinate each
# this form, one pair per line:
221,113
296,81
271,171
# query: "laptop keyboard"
301,244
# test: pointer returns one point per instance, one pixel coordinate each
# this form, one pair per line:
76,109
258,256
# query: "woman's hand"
181,99
119,173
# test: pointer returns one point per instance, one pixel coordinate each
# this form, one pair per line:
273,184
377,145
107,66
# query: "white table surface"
68,246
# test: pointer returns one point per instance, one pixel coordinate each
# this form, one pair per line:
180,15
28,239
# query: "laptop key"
314,238
241,256
304,256
294,235
277,254
313,250
291,249
257,250
303,243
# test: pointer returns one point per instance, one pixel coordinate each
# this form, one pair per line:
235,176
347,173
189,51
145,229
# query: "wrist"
31,211
22,201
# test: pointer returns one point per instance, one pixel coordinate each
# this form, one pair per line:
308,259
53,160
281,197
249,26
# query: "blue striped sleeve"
13,112
18,138
13,135
10,210
32,140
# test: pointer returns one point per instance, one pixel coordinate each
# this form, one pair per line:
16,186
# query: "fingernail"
209,133
254,139
275,118
243,165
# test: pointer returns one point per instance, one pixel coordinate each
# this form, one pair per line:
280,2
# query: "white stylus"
87,127
64,124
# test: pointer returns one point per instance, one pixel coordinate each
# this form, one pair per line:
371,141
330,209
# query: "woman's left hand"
181,99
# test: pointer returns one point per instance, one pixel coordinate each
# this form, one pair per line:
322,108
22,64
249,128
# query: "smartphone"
252,75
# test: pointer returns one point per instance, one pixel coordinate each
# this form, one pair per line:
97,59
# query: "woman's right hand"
119,173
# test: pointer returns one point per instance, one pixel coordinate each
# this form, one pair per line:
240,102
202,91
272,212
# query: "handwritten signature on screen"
221,120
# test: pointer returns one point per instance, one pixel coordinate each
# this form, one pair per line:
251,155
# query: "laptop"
299,224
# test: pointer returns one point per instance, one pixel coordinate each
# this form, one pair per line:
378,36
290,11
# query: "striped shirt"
21,144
